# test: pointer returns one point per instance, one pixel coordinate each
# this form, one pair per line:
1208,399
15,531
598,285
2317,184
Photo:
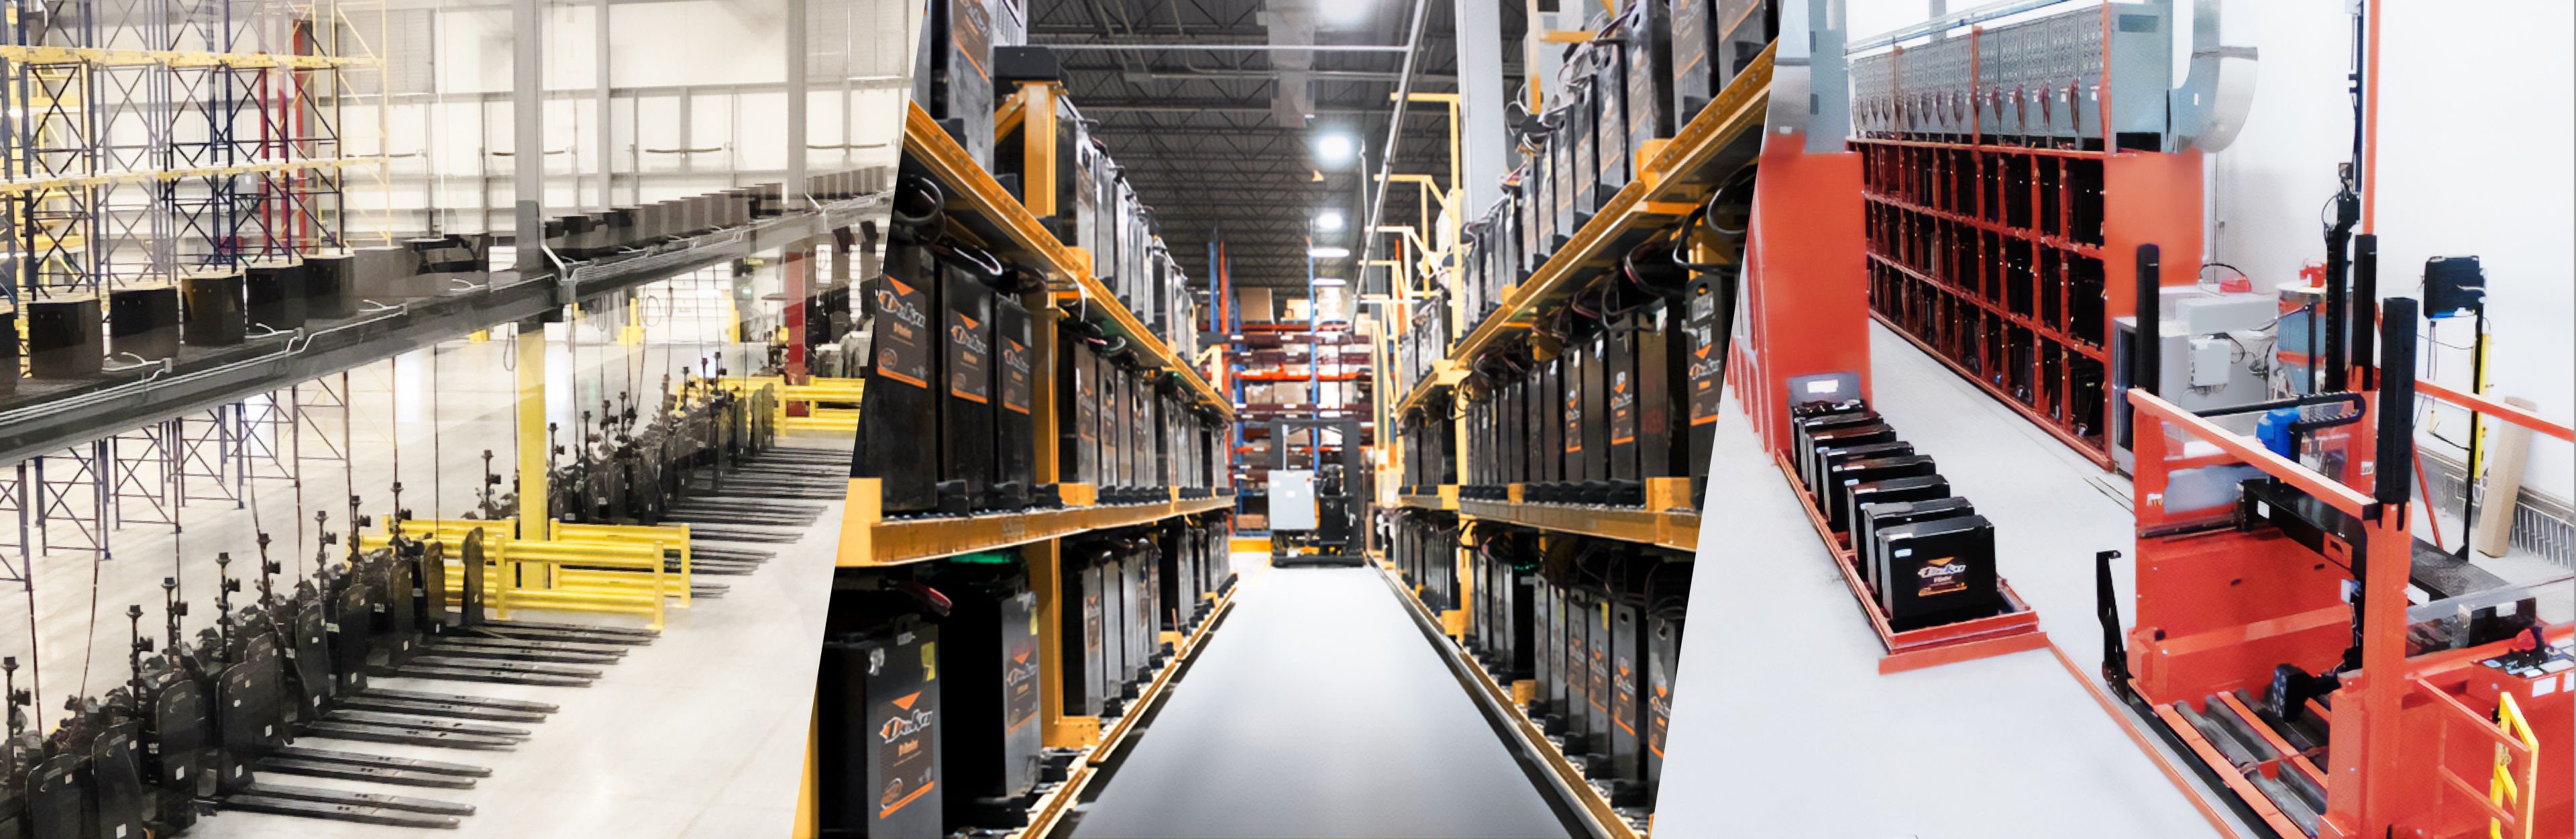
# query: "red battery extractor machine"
2276,646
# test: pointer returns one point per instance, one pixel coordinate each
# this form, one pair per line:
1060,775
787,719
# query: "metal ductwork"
2218,92
1291,23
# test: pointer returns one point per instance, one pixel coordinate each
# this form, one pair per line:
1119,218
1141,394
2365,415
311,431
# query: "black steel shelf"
46,417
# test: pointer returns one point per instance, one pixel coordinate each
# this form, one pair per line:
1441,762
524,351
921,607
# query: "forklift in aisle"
1316,504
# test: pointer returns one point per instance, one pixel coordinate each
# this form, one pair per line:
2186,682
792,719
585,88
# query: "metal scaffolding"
146,139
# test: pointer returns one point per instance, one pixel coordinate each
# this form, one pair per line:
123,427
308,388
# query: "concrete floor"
1783,726
700,734
1317,709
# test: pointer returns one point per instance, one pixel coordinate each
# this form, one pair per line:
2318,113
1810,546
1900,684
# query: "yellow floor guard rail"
615,569
671,539
814,394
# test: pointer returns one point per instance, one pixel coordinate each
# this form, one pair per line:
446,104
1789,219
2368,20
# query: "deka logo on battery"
968,333
906,722
902,303
1940,576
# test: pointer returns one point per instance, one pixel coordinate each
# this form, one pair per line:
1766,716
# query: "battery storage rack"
981,210
1672,178
985,211
2010,170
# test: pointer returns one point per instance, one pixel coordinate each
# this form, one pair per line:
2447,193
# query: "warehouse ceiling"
1220,142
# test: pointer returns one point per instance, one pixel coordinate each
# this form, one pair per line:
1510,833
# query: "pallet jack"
2277,645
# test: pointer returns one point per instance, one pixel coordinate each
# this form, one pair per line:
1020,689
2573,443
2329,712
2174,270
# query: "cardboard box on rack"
1254,305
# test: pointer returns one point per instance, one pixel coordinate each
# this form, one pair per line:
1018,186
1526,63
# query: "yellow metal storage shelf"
868,540
1677,175
1675,529
1019,237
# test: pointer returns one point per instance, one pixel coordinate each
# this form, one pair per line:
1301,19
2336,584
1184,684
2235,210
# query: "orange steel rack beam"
869,540
1674,529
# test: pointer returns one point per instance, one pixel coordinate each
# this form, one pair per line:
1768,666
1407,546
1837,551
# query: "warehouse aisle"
1317,709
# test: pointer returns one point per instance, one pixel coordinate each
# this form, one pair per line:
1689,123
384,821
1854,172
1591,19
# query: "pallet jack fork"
2275,647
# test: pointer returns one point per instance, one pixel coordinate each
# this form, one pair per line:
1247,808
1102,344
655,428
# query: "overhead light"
1328,252
1328,220
1334,148
1345,11
1329,281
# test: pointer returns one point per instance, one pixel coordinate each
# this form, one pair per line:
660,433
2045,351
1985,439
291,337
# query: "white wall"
442,146
2477,155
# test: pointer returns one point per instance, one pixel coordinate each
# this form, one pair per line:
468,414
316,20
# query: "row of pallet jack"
1585,632
930,685
203,723
206,723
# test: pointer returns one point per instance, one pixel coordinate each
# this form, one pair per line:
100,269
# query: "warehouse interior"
1045,419
1376,390
366,483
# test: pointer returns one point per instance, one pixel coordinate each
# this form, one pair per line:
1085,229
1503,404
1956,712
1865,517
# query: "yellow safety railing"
2511,776
608,577
615,569
2502,790
671,539
816,393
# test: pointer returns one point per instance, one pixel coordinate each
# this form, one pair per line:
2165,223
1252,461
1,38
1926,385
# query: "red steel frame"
1805,285
2217,608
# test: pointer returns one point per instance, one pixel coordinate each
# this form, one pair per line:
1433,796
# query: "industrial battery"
1085,659
880,687
988,649
1937,571
1015,387
966,410
899,407
1880,516
951,78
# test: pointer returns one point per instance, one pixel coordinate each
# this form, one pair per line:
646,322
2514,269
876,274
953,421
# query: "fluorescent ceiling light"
1334,148
1328,220
1328,252
1328,281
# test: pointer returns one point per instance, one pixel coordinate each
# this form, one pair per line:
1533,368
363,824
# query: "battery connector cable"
919,204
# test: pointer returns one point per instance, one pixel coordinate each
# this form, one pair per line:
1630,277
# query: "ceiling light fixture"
1328,221
1335,148
1328,252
